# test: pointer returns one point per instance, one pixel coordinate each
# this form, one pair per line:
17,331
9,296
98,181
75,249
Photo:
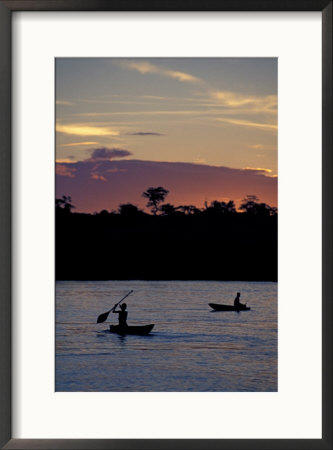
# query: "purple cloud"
106,184
106,154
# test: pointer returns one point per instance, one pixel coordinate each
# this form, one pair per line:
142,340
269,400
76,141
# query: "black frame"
6,8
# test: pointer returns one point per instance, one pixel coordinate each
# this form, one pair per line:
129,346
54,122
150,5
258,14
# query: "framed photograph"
144,230
166,244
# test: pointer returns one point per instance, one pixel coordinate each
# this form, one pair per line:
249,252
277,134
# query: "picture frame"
6,9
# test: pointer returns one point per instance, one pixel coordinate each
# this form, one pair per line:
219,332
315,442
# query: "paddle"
102,317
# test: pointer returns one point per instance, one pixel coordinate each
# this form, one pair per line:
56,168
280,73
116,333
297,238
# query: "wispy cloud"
181,76
86,130
141,66
180,112
256,146
247,123
155,97
77,144
143,113
144,67
236,100
64,103
144,133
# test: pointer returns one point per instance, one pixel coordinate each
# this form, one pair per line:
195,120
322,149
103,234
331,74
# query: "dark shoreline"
225,247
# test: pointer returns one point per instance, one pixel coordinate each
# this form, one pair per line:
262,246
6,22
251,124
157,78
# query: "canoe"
139,329
218,307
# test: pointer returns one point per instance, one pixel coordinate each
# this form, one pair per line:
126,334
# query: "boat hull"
139,330
219,307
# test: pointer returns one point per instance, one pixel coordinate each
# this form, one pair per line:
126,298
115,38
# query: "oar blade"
102,317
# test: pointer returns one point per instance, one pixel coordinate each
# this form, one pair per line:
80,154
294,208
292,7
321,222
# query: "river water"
191,347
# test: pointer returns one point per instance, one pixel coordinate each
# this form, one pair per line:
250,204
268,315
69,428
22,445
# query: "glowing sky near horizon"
207,111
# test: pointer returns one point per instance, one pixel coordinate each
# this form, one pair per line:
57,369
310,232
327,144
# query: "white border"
293,412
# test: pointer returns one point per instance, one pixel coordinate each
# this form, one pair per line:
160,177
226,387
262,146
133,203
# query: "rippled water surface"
191,347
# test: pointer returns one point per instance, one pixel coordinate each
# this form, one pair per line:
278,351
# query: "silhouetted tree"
155,196
217,208
168,210
189,209
273,211
64,204
128,210
223,207
231,208
251,206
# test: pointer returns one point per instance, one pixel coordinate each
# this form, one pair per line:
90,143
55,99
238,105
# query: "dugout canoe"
130,329
219,307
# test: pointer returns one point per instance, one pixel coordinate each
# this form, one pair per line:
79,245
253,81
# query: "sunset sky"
203,128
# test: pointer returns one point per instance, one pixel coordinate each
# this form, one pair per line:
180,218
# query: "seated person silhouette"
122,315
237,303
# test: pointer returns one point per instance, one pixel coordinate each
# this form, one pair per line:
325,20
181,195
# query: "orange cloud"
65,171
259,169
95,176
69,160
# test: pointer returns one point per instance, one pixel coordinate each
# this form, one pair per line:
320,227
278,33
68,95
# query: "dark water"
191,348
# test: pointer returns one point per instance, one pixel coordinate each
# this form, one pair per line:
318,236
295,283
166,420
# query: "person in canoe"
237,303
122,315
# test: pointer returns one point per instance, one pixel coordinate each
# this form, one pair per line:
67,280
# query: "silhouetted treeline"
183,242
